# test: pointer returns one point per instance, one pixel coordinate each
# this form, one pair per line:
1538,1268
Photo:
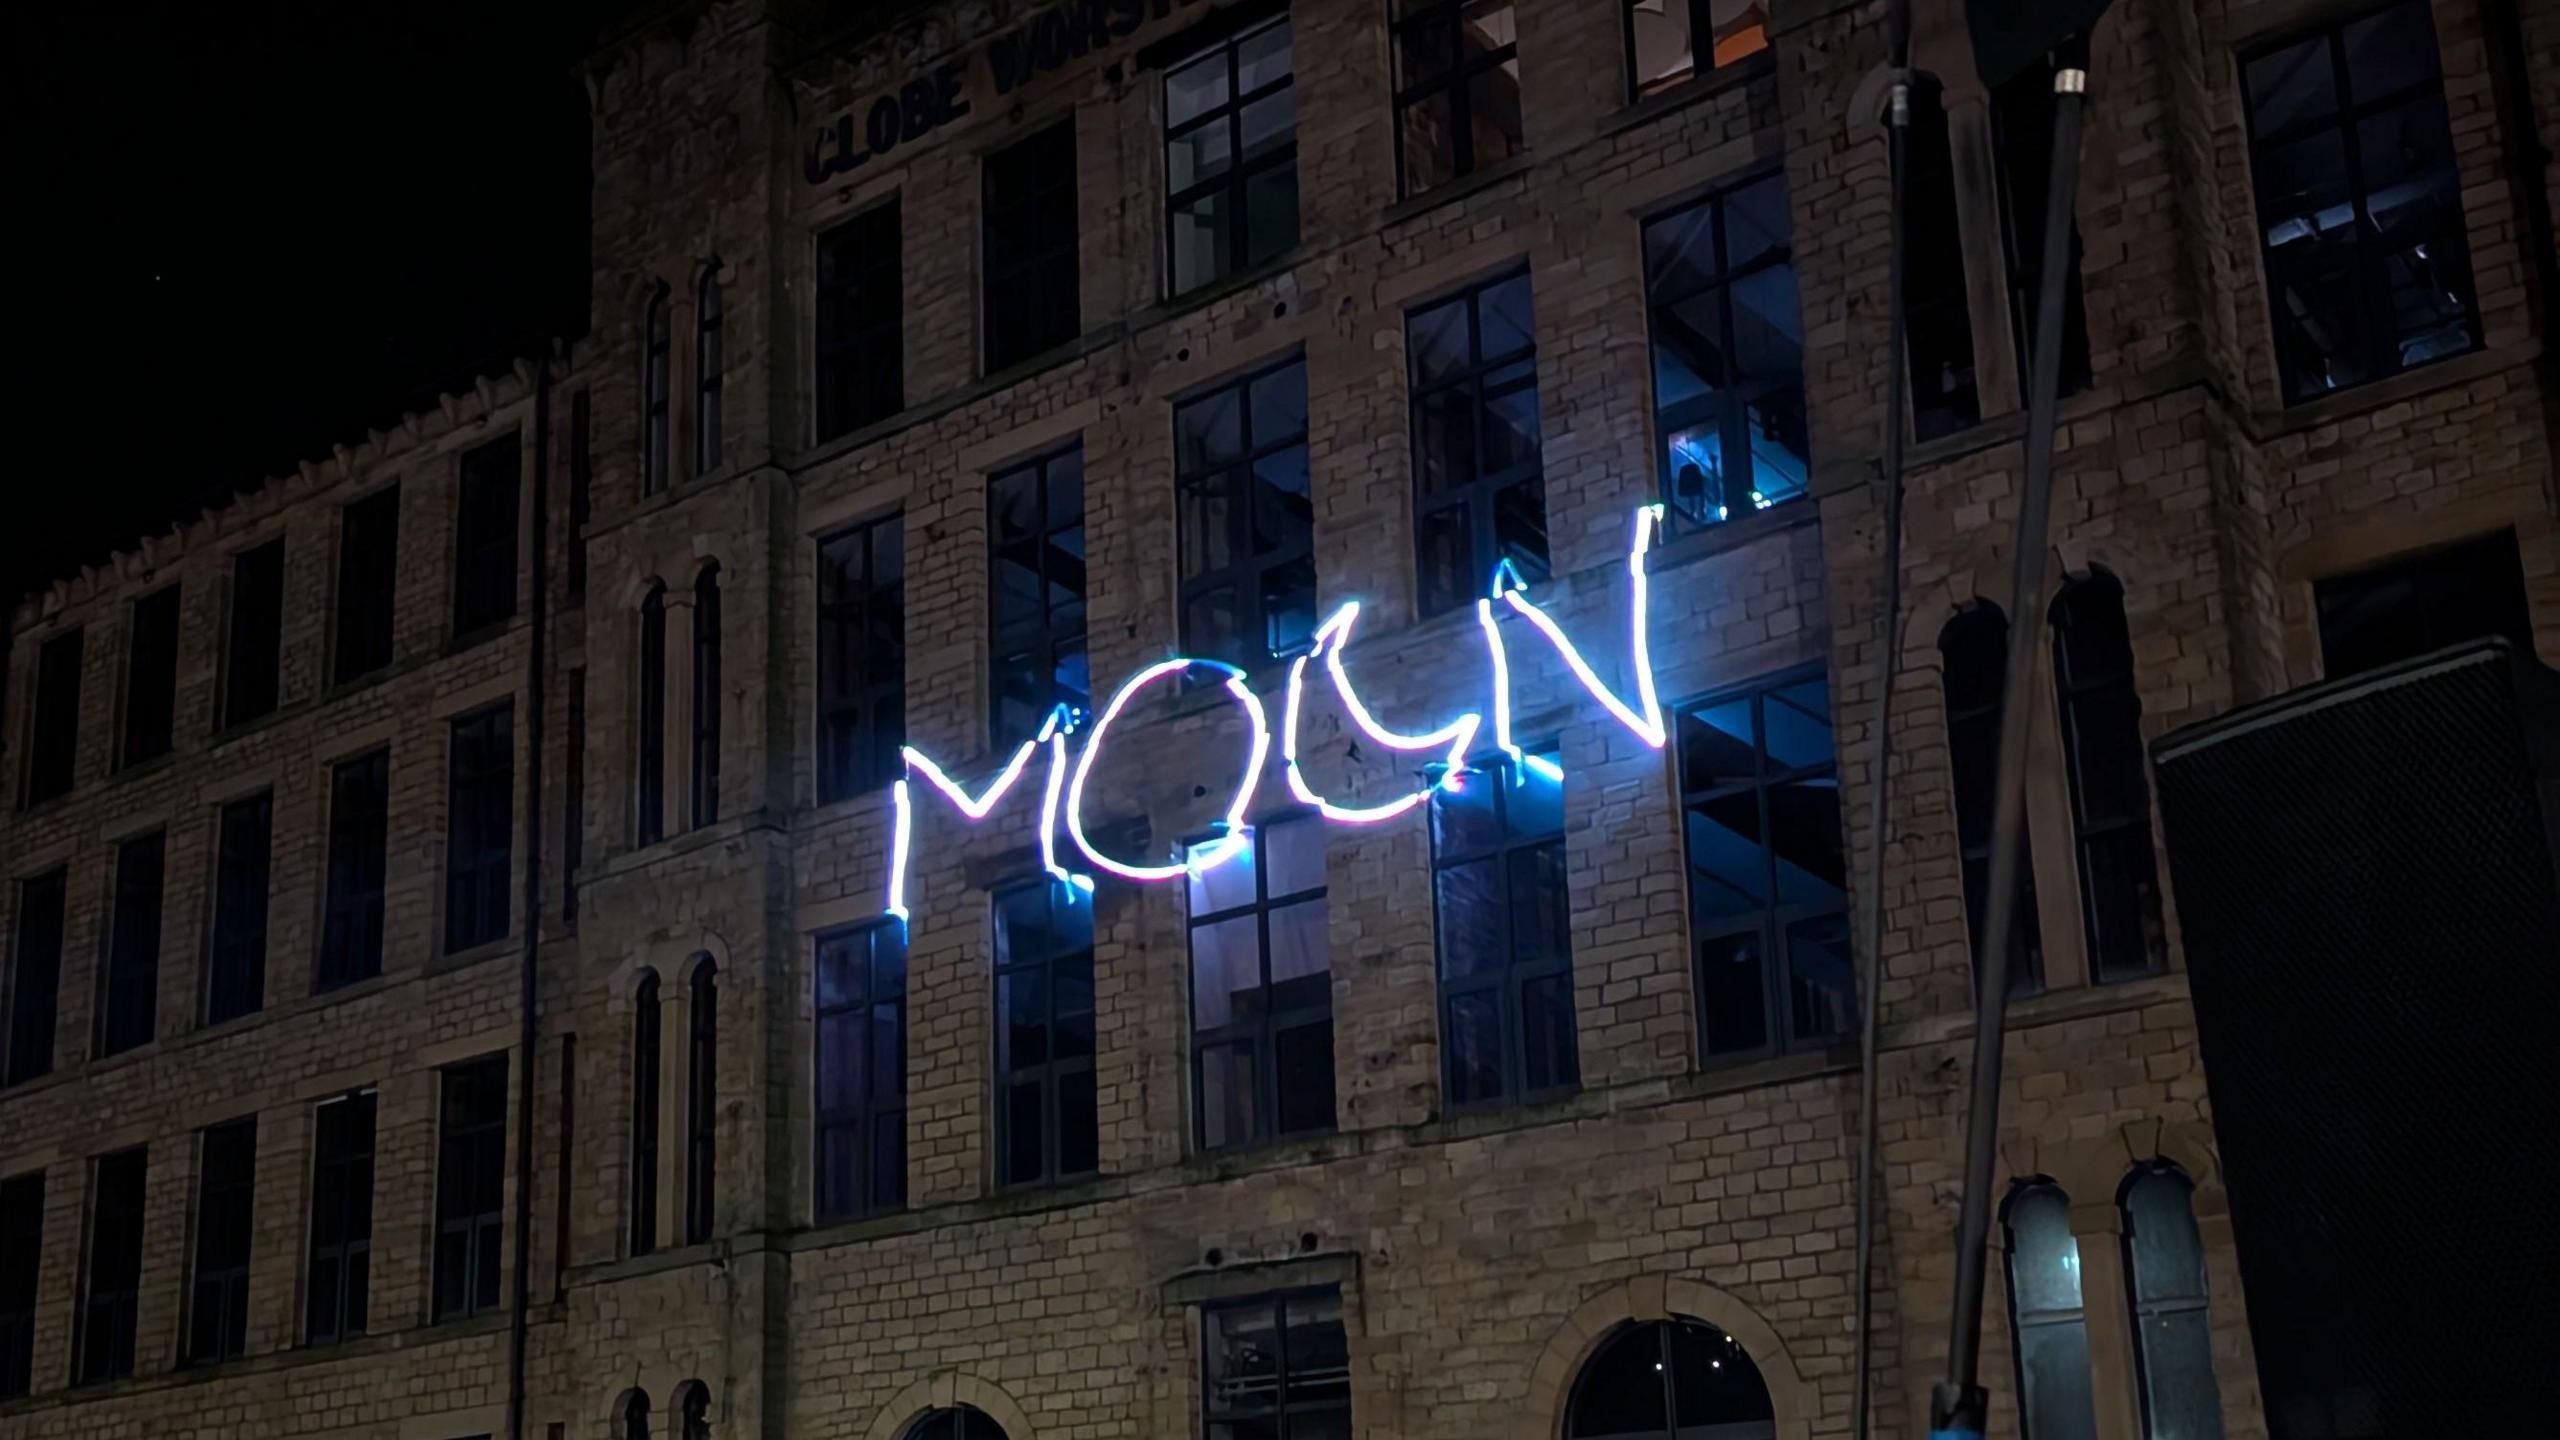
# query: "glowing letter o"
1228,846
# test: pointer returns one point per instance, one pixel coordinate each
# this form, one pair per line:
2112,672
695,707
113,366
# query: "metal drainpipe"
536,654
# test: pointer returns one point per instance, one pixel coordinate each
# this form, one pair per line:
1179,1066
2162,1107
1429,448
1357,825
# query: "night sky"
243,233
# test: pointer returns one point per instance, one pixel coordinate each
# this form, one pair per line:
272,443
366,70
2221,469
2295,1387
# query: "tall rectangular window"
861,322
480,827
1506,934
218,1294
35,975
359,842
21,1257
1973,652
862,657
1262,990
129,996
111,1288
1246,518
1035,564
1231,156
1946,393
368,565
1277,1367
252,661
151,677
484,556
2359,201
1670,41
471,1170
339,1280
2022,145
861,1059
1030,248
651,761
1480,496
582,482
647,1033
2101,714
1048,1123
53,742
702,1101
1728,353
1457,89
709,360
656,379
1768,908
573,827
236,957
706,696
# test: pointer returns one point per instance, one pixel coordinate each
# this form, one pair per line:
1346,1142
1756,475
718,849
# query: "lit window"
1664,38
1246,518
1048,1116
1231,156
1480,493
1262,989
1728,354
2172,1326
1457,89
2047,1326
1506,934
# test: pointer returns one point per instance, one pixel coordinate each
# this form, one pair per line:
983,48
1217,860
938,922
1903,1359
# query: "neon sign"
1642,717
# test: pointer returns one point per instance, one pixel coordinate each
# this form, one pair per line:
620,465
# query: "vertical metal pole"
1957,1406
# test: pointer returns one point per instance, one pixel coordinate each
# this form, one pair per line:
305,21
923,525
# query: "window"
1946,394
706,696
2022,147
2413,604
654,382
1048,1120
573,840
2359,202
958,1422
2050,1331
480,828
338,1281
218,1301
862,658
255,652
1231,156
1480,498
1457,89
112,1294
1728,354
484,580
702,1101
635,1416
582,478
1670,1380
1276,1366
1768,914
708,362
471,1164
1247,518
861,309
2173,1331
652,759
1030,250
1035,564
1262,989
35,977
1506,934
2110,793
236,968
151,677
368,566
130,996
693,1412
53,741
1664,39
862,1070
645,1058
359,820
1974,650
21,1256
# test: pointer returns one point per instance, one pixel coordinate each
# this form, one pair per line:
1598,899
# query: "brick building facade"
905,425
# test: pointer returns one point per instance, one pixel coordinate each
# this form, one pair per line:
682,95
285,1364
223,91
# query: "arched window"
693,1411
653,395
707,365
635,1416
644,1116
2172,1327
651,761
1974,652
2110,794
702,1067
2047,1327
957,1423
1670,1380
706,696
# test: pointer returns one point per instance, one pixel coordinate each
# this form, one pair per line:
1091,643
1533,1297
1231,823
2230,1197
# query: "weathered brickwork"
1480,1257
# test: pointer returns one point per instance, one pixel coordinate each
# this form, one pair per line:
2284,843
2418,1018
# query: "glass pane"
1195,88
1680,251
1242,1348
2160,1222
1714,1383
1289,606
2044,1258
1319,1353
1262,57
1733,989
888,1052
1689,359
1505,317
1022,1133
1226,973
1541,923
1436,339
1472,1037
1493,104
840,1059
1756,225
1269,123
1444,565
1196,155
1520,528
2390,51
1728,871
2054,1361
1660,36
1303,1055
2289,86
2177,1374
1549,1052
1226,886
1270,211
1465,818
1430,138
1301,978
1718,746
1797,723
1209,431
1444,424
1294,852
1804,839
1209,623
1471,936
1620,1392
1226,1094
1207,541
1079,1124
1279,401
1199,240
1823,976
1022,1010
1510,430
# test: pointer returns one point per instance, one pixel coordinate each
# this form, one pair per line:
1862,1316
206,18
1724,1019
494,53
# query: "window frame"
1049,639
1512,976
53,720
149,728
864,275
367,874
1054,261
1479,495
227,1281
656,387
710,318
235,963
353,1247
2026,970
116,1304
873,681
1214,1421
1261,1032
1456,77
1235,252
138,917
868,1111
1052,1072
2077,696
253,646
480,1232
1701,23
479,798
1249,567
487,536
364,638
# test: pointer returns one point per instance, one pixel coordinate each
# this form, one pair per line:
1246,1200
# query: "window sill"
2436,375
925,412
1690,545
2052,1007
469,956
1756,66
478,636
1202,296
1450,192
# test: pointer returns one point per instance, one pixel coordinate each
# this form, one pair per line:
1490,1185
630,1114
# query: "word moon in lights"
1062,792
